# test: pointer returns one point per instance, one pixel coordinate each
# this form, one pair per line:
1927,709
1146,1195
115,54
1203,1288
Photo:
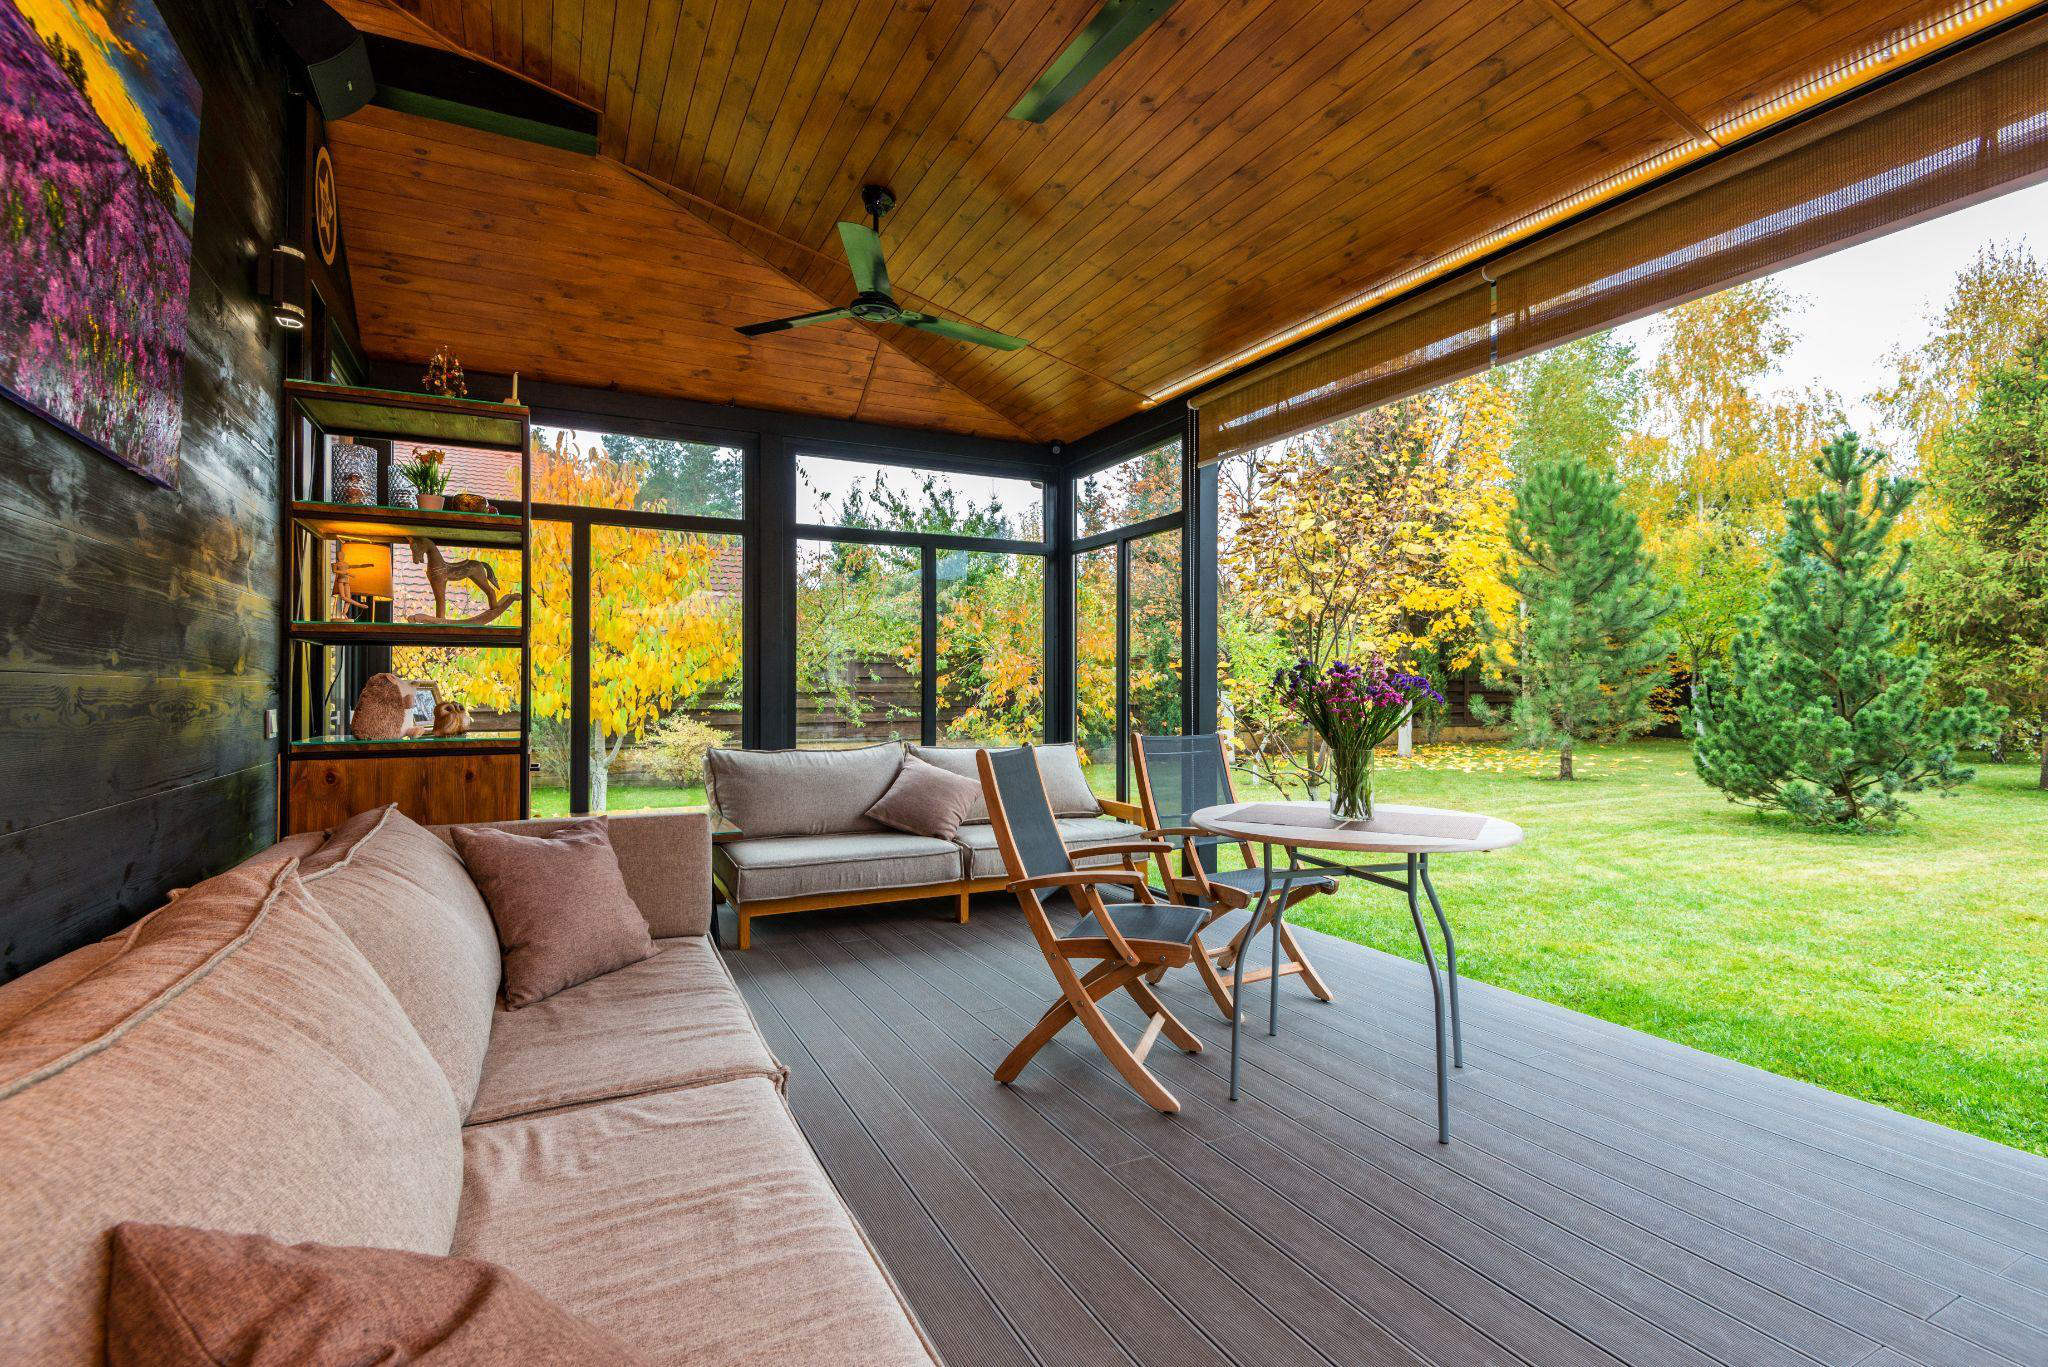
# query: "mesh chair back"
1028,813
1185,774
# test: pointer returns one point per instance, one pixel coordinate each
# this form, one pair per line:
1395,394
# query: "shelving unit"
325,774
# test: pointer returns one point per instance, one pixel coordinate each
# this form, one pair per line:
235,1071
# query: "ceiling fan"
872,302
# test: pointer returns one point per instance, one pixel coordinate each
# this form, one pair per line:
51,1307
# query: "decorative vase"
432,502
355,471
1351,783
403,495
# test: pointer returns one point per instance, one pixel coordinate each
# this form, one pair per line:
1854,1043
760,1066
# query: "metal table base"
1414,881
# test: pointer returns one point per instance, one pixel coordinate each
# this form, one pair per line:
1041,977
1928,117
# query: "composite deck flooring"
1607,1197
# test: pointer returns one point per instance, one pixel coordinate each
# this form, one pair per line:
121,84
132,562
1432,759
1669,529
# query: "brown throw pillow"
560,903
926,800
181,1296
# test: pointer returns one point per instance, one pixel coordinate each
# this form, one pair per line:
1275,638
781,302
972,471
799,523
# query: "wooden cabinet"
430,788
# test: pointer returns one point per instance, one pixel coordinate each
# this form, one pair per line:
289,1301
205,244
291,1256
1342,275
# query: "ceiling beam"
1598,47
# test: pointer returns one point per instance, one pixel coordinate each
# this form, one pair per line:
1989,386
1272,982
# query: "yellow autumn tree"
662,636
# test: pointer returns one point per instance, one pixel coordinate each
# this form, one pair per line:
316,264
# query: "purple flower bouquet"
1353,708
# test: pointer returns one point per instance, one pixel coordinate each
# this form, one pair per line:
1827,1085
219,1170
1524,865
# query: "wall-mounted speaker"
333,60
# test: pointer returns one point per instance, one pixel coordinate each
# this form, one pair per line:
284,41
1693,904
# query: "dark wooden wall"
138,634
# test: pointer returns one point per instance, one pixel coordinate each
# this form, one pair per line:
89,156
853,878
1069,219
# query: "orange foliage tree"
661,636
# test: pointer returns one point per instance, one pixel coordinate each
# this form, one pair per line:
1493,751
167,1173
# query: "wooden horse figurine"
440,573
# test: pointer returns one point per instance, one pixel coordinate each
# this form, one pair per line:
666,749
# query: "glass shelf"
368,522
408,634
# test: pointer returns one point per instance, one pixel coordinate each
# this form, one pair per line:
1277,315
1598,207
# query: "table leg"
1436,991
1450,965
1237,968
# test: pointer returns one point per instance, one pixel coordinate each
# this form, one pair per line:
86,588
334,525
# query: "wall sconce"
281,278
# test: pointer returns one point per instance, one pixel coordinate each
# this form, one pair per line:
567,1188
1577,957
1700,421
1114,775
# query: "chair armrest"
1181,832
1079,878
1122,811
1124,847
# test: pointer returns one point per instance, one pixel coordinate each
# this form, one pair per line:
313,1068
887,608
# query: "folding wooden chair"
1120,923
1176,777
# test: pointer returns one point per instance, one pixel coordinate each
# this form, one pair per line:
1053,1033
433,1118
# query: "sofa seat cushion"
675,1020
694,1224
807,865
985,858
406,901
237,1064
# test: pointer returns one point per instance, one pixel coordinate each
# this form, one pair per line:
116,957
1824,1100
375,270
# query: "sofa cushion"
237,1064
805,865
183,1297
664,856
985,860
559,902
695,1224
1059,768
675,1020
926,800
410,907
770,793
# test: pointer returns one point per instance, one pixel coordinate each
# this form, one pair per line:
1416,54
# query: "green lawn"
1909,968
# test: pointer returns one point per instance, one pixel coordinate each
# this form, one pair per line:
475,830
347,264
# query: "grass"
1908,968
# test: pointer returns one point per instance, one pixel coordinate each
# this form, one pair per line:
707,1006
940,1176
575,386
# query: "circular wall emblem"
326,210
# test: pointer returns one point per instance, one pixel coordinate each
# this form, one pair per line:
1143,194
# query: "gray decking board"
1607,1196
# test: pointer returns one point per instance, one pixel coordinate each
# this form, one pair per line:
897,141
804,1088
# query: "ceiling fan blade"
962,332
1115,27
864,253
800,320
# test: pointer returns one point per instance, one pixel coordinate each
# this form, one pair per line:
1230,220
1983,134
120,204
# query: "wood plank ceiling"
1245,166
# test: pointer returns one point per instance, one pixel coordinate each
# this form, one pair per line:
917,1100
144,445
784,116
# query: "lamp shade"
368,567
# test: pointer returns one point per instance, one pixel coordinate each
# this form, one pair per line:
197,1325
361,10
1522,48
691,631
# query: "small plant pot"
432,502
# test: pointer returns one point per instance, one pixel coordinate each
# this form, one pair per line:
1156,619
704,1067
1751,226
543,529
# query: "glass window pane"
847,493
1095,614
858,639
607,470
991,648
1145,486
1155,663
664,663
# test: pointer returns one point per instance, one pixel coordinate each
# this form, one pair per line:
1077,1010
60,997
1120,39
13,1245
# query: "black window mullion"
1123,664
928,646
579,667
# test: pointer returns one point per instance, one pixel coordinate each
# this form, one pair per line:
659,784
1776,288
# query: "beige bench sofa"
310,1047
802,839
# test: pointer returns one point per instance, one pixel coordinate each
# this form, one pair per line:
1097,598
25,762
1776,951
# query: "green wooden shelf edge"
370,522
396,415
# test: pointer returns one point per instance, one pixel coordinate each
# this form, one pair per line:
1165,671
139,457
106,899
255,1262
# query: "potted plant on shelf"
1353,708
427,473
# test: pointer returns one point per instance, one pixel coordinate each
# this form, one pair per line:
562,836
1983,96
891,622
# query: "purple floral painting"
99,152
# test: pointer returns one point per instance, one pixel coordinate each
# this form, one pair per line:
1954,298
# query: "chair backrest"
1180,775
1017,807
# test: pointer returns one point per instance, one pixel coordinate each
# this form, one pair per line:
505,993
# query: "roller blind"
1968,128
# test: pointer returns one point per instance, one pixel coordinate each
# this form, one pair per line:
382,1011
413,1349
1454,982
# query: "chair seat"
1162,921
1253,881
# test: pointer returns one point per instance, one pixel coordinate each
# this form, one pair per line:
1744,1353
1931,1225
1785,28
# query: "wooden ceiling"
1244,167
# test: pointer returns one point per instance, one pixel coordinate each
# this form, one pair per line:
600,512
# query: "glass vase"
1351,783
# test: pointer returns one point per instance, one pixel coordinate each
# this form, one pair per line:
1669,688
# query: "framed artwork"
426,698
99,154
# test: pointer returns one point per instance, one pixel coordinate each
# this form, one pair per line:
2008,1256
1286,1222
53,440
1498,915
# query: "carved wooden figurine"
440,573
451,719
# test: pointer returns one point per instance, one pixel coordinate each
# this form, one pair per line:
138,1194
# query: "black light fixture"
281,278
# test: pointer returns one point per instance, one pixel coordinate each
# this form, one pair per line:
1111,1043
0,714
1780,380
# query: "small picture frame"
426,698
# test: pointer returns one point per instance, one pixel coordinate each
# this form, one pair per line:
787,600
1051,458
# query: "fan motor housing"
873,308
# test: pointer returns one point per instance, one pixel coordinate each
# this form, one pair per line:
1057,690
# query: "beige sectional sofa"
310,1047
802,839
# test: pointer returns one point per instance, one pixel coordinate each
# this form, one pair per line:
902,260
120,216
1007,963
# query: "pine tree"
1821,710
1589,646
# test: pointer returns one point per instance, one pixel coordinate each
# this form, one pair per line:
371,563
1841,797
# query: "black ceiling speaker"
334,62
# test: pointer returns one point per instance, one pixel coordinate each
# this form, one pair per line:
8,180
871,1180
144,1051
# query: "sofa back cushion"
405,899
769,793
236,1064
1059,766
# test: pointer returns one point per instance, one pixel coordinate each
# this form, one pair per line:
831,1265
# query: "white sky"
1862,302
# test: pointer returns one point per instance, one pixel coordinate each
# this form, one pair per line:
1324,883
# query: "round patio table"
1414,833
